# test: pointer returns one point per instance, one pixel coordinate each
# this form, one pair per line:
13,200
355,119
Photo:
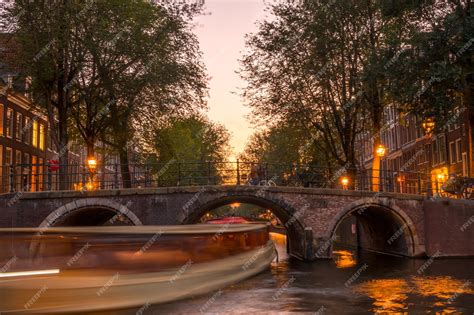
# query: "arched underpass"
375,228
92,212
93,216
295,232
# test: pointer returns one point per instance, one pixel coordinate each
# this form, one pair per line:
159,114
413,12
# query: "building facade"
410,150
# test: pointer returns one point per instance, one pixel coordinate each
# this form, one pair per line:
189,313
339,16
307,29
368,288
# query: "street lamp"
92,164
428,125
381,150
344,182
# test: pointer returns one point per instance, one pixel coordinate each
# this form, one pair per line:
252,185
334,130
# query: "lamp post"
92,165
344,182
428,126
381,150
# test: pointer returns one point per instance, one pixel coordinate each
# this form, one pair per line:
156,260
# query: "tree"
304,68
152,68
50,55
186,145
435,74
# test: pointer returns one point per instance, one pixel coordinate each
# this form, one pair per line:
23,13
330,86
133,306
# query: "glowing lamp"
440,177
92,164
428,125
345,181
380,150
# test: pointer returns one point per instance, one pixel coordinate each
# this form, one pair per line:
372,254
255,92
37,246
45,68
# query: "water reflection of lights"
389,294
278,238
441,288
29,273
344,259
235,205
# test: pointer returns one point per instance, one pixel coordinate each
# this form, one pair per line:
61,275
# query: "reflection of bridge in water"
405,224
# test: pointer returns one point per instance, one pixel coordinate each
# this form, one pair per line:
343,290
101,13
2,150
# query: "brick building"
409,149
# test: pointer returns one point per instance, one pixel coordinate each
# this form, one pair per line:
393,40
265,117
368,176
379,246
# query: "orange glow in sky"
221,35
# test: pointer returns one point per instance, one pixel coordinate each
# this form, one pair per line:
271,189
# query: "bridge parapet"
311,216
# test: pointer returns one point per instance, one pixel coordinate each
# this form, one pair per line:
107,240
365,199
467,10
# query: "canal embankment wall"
449,228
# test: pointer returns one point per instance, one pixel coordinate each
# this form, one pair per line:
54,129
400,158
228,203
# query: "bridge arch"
296,241
385,227
90,211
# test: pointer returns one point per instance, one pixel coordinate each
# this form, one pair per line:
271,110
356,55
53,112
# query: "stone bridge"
388,222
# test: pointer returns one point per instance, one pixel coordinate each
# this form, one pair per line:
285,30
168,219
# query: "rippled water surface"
352,283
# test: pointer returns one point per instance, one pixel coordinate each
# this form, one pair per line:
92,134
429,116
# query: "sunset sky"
221,34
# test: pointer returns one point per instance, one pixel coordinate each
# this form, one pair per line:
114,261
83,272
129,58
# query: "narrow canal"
351,283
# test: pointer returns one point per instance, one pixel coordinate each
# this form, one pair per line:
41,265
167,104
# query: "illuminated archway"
91,212
287,216
382,228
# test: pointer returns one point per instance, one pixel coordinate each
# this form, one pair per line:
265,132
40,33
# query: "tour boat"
101,268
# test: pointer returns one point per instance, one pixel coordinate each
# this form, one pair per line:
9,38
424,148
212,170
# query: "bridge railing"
45,177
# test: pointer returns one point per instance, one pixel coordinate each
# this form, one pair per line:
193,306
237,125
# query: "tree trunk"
90,142
124,167
63,150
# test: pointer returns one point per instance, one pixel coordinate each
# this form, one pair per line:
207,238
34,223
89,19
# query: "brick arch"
412,239
89,203
297,244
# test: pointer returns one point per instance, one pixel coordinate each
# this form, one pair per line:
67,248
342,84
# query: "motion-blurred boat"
228,220
99,268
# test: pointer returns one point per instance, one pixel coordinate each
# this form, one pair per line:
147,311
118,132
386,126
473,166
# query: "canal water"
364,283
351,283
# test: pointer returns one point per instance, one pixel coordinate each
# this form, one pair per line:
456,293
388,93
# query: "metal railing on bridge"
45,177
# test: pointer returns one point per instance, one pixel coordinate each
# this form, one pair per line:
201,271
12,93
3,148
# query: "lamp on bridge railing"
92,164
345,182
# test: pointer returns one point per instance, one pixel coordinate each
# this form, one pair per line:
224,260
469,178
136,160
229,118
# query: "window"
34,141
452,153
18,157
41,136
40,174
435,152
8,161
465,171
1,119
8,156
458,150
34,173
9,122
27,132
26,159
442,148
19,126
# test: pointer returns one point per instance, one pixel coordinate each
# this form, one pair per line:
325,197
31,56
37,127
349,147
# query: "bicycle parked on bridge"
460,187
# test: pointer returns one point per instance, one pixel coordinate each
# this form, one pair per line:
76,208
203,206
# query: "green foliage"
188,143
